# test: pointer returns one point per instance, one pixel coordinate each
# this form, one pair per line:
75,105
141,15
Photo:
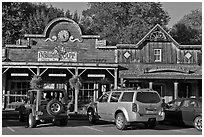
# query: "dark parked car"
186,111
44,105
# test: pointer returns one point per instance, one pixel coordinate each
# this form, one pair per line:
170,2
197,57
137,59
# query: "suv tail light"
134,107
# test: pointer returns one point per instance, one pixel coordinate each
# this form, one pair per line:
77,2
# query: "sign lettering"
57,56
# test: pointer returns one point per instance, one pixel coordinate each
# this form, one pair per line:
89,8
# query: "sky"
176,10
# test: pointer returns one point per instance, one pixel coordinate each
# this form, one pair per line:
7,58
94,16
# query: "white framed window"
157,55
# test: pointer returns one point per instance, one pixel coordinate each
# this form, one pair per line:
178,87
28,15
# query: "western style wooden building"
157,61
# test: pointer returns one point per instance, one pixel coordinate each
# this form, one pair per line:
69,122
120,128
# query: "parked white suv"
125,107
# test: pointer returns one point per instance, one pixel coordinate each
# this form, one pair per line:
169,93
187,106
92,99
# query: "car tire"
91,116
120,121
31,121
54,107
198,123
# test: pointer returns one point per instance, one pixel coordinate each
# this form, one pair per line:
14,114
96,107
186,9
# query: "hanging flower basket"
36,82
75,82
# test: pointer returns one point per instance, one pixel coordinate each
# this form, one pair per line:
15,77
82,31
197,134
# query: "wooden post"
38,71
150,85
76,94
175,90
121,82
116,78
3,91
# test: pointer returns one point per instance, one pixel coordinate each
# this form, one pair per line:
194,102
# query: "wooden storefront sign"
55,55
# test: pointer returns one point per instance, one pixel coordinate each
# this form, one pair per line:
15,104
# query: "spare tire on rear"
54,107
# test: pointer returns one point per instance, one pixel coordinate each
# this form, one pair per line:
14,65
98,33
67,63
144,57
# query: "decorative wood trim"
57,65
5,70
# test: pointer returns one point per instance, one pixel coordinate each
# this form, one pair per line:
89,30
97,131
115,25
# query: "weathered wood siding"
171,54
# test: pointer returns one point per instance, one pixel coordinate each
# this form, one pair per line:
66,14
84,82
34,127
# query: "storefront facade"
157,61
61,52
57,55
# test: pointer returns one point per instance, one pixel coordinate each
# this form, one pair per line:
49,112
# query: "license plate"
150,112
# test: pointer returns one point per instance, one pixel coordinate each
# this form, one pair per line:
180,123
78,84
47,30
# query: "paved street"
82,127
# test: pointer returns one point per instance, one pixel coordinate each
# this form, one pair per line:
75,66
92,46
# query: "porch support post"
44,71
4,90
5,70
70,71
76,95
150,85
116,78
32,71
175,90
121,82
38,71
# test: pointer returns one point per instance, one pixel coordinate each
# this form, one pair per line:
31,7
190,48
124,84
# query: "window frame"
158,55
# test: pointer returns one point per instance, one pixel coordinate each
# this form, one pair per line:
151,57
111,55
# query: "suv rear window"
148,97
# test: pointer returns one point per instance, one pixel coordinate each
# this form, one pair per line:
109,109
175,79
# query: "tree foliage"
19,18
188,30
122,22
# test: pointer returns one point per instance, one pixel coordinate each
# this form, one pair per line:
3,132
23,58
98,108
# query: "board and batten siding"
171,54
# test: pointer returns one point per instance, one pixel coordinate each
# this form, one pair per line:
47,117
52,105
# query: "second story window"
157,55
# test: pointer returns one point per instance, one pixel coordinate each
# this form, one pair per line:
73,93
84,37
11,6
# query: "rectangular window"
148,97
127,97
157,55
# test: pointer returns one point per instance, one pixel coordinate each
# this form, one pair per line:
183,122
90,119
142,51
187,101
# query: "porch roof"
161,71
58,65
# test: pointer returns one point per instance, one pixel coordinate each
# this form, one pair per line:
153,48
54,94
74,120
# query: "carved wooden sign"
58,54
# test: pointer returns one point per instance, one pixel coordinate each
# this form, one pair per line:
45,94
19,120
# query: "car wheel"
54,107
120,121
91,116
31,121
198,123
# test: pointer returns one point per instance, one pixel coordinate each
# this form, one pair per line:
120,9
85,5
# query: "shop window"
86,93
17,91
157,55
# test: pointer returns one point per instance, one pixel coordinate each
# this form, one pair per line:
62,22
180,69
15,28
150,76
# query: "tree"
185,35
188,30
12,17
41,16
68,14
122,22
19,18
76,16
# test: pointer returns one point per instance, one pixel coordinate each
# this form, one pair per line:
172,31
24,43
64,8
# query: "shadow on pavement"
11,120
11,123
